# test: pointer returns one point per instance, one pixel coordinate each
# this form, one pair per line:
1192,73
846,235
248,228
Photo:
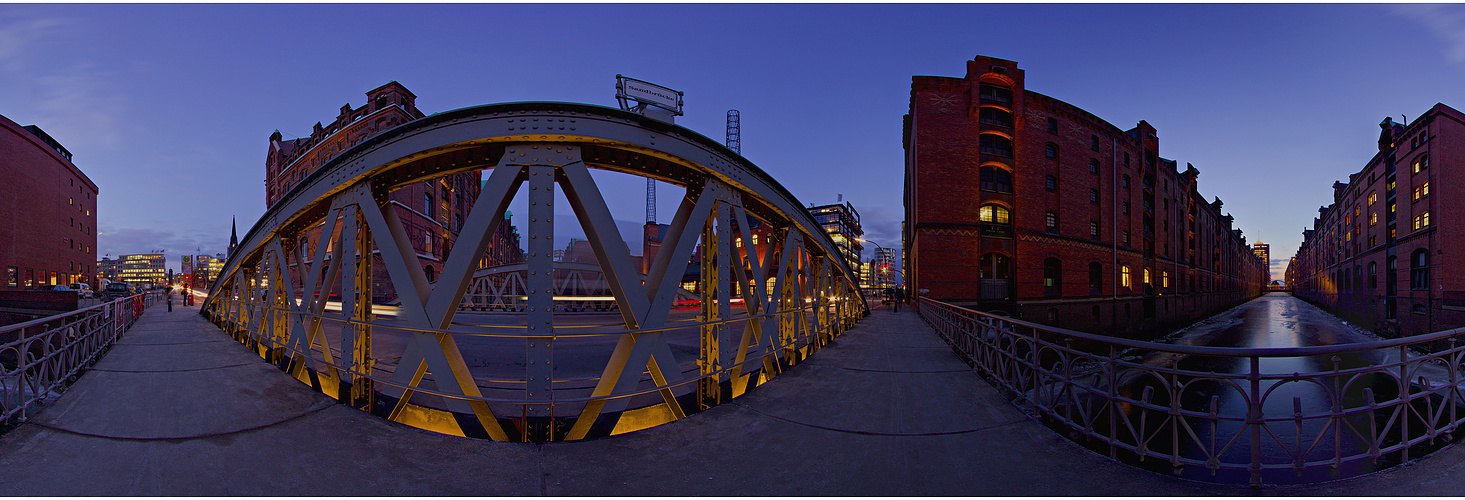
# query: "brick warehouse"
431,212
1386,253
1021,203
49,209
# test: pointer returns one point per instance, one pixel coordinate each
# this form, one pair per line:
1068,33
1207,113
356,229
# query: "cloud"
1446,22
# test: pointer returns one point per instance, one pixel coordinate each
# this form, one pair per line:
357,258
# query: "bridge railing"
40,358
1176,407
797,334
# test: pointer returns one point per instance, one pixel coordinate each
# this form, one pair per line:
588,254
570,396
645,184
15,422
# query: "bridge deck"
177,408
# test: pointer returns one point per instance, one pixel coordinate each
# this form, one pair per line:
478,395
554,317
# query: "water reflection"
1273,321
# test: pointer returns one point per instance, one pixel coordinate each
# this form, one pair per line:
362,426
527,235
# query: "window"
1052,125
1420,163
1094,196
1093,230
427,204
1126,238
1050,150
1094,142
1124,182
1146,275
1051,221
1124,276
1126,160
1051,183
996,214
994,94
993,144
1052,277
12,277
996,179
1373,218
1125,207
1096,278
1164,279
1372,197
1373,276
1093,166
1420,309
995,116
1421,221
1419,270
1052,314
1421,191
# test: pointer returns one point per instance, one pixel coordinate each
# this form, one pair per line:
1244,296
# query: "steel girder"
795,297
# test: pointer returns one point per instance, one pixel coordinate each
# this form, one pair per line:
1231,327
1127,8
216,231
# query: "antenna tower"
734,132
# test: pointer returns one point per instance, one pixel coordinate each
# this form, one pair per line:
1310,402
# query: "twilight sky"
168,108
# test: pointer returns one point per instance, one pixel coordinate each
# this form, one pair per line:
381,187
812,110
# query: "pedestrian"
170,300
899,296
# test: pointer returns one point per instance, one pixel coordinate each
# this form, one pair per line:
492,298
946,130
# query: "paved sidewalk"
177,408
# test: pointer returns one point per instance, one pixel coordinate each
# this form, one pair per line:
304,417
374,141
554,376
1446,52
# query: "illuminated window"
1124,276
1421,221
996,214
1146,275
1373,218
1420,163
1372,197
1421,191
1164,279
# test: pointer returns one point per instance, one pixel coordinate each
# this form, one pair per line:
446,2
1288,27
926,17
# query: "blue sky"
168,107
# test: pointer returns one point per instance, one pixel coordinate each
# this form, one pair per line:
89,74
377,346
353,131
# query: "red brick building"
49,211
432,212
1385,254
1022,203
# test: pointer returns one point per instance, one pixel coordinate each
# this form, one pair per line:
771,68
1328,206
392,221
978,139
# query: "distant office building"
1022,203
884,272
842,223
1387,253
1263,251
142,269
109,269
431,212
51,207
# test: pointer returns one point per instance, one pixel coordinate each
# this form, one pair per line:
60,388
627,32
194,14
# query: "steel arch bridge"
543,374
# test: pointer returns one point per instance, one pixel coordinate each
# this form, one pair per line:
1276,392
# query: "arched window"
1052,277
993,144
1096,278
431,274
995,116
1420,309
1373,276
1093,166
996,179
1419,270
995,214
1420,163
994,94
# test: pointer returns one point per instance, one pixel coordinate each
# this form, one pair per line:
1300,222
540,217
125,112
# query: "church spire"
233,235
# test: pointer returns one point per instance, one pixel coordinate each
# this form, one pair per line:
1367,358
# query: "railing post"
1254,421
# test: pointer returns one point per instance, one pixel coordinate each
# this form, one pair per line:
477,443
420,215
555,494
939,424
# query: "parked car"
116,291
83,289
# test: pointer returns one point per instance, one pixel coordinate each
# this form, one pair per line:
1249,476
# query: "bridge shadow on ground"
177,408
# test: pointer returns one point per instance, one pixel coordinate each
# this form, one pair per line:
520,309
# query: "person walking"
899,296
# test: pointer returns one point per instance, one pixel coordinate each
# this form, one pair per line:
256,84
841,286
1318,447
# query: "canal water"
1272,321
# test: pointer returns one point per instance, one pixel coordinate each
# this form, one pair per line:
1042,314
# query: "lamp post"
878,248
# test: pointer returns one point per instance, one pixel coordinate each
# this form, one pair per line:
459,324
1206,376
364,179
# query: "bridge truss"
543,371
